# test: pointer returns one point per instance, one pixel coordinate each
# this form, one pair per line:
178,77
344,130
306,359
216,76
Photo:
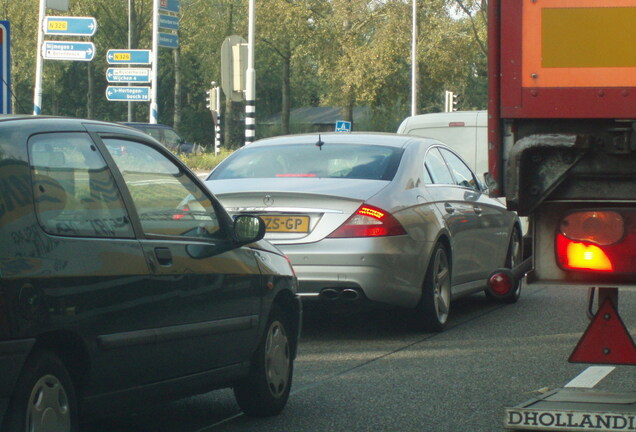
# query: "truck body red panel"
558,60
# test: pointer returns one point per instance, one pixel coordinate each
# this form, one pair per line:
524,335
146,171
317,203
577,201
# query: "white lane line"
591,376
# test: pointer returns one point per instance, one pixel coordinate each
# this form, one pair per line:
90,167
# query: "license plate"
287,224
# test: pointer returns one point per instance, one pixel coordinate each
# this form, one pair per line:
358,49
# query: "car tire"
514,257
266,389
44,398
434,306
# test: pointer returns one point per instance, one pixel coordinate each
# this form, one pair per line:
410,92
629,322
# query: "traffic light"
212,98
209,95
450,101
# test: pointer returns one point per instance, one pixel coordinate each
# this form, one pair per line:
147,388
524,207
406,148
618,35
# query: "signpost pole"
154,114
37,92
130,6
250,79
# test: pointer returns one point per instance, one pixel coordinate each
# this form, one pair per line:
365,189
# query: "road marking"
591,376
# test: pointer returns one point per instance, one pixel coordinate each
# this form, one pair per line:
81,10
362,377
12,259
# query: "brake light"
369,221
581,255
596,241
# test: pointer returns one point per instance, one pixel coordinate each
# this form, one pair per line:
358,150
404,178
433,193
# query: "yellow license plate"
288,224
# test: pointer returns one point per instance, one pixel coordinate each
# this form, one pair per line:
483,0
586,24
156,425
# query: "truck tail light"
575,255
597,241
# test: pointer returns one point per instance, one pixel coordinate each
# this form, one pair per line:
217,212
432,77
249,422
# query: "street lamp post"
414,61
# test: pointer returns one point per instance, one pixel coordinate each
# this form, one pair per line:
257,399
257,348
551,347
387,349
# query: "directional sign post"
69,26
128,75
116,56
128,94
67,50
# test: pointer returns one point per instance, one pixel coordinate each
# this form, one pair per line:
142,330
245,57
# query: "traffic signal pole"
250,79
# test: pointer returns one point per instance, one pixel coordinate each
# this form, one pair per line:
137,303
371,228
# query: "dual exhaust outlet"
345,294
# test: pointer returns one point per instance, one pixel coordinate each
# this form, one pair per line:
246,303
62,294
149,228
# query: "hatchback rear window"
353,161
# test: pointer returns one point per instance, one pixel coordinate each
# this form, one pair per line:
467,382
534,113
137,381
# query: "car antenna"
320,143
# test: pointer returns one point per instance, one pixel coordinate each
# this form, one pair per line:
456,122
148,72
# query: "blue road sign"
168,40
169,5
5,71
68,50
128,75
343,126
70,26
115,56
128,94
168,22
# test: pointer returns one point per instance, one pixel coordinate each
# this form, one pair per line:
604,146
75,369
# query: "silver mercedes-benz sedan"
386,218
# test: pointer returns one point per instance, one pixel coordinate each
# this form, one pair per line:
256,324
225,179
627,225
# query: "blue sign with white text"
168,40
343,126
70,26
128,94
168,22
169,5
133,56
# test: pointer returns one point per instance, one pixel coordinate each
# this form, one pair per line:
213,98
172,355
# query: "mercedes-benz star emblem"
268,200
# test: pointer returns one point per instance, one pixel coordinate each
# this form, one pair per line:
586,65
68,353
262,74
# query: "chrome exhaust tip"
329,294
349,294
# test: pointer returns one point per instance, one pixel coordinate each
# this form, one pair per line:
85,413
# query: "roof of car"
152,125
370,138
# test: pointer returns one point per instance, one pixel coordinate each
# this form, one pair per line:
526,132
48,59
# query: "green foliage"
342,53
205,161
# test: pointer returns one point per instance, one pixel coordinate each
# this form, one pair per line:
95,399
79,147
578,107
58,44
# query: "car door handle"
477,210
449,208
164,256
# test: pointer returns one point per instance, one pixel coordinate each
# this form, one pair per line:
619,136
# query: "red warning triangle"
606,340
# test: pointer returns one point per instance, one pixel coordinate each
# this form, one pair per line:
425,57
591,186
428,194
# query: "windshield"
171,137
354,161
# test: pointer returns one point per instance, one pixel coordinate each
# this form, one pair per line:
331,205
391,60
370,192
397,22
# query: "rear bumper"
13,354
385,269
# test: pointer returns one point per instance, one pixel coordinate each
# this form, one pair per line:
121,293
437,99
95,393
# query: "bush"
204,161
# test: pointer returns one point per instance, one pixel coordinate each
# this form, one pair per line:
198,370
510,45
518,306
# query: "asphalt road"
374,372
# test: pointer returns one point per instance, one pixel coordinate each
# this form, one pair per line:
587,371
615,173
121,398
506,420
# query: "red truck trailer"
562,150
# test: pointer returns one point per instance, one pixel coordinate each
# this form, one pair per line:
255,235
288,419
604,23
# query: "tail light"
185,209
369,221
597,241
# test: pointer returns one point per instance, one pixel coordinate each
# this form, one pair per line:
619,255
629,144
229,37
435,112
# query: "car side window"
167,201
75,194
437,169
463,175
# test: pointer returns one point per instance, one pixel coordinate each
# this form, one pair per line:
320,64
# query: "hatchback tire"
44,399
266,389
434,306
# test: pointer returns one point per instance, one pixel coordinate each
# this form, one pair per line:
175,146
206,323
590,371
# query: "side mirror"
490,183
248,229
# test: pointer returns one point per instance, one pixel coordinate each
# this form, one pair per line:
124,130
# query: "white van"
466,132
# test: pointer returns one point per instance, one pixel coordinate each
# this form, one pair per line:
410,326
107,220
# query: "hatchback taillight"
369,221
597,241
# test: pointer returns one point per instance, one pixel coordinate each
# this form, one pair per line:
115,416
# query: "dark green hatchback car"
122,279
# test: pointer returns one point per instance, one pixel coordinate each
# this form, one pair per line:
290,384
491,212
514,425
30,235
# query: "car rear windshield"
353,161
